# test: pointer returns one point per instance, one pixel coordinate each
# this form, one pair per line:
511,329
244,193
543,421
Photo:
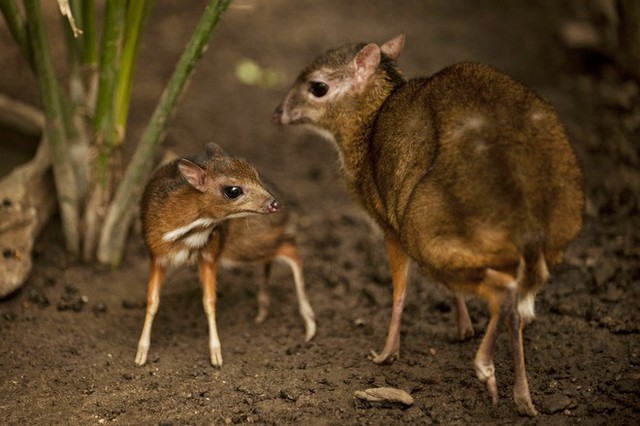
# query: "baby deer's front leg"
153,301
208,270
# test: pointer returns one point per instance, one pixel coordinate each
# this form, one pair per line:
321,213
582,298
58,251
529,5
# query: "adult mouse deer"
210,209
468,172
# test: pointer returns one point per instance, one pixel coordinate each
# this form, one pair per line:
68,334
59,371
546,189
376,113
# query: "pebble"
385,394
555,403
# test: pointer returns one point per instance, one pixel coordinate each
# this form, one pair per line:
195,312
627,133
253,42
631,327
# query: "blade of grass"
17,27
118,220
137,14
62,166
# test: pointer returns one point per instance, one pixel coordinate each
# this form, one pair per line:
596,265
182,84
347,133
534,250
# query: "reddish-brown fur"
467,172
190,213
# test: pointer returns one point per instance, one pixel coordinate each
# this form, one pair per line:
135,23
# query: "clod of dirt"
129,304
555,403
385,394
99,308
71,300
37,297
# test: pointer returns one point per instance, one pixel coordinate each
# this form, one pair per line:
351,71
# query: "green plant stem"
104,165
17,27
104,118
137,14
89,32
118,220
62,166
89,52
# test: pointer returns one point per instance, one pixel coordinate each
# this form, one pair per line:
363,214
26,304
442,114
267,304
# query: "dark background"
583,353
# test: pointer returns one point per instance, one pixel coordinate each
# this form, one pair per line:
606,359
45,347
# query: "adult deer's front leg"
399,262
208,271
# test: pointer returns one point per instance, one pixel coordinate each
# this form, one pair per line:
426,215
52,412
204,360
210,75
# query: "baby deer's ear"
193,174
393,47
214,150
366,62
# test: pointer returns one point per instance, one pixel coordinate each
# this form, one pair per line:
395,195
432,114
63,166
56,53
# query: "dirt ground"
68,337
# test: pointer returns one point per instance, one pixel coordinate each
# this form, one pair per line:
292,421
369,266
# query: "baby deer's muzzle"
274,206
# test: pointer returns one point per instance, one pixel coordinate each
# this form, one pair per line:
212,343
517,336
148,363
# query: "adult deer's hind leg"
521,394
465,328
494,288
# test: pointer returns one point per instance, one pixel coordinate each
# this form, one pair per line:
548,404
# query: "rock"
555,403
26,202
385,394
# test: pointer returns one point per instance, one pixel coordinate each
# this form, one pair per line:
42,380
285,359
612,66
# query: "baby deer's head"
331,88
228,186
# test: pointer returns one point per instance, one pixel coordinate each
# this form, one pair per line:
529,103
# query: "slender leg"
465,328
399,262
208,271
521,386
288,252
494,289
483,363
263,295
153,301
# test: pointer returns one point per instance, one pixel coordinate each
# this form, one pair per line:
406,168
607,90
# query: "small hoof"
385,357
216,358
466,334
260,317
141,356
525,406
310,332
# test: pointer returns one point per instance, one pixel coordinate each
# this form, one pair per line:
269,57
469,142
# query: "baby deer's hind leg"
263,294
288,251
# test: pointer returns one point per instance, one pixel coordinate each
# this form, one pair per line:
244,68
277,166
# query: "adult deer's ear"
193,174
393,47
213,150
365,63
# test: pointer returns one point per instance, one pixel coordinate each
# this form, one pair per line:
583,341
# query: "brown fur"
187,216
469,171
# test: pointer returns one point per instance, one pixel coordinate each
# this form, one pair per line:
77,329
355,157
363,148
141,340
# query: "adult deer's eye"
232,192
318,88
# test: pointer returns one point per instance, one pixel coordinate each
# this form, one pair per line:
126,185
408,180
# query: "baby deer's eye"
318,88
232,192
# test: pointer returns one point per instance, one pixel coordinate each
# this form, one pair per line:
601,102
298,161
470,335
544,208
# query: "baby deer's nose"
274,206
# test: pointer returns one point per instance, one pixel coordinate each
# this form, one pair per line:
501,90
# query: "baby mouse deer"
210,209
468,173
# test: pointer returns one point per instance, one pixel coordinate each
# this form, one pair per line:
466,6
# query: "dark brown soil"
68,338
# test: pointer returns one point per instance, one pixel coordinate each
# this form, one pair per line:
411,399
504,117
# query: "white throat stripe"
179,232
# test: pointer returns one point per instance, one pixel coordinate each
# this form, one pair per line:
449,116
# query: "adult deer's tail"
532,276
